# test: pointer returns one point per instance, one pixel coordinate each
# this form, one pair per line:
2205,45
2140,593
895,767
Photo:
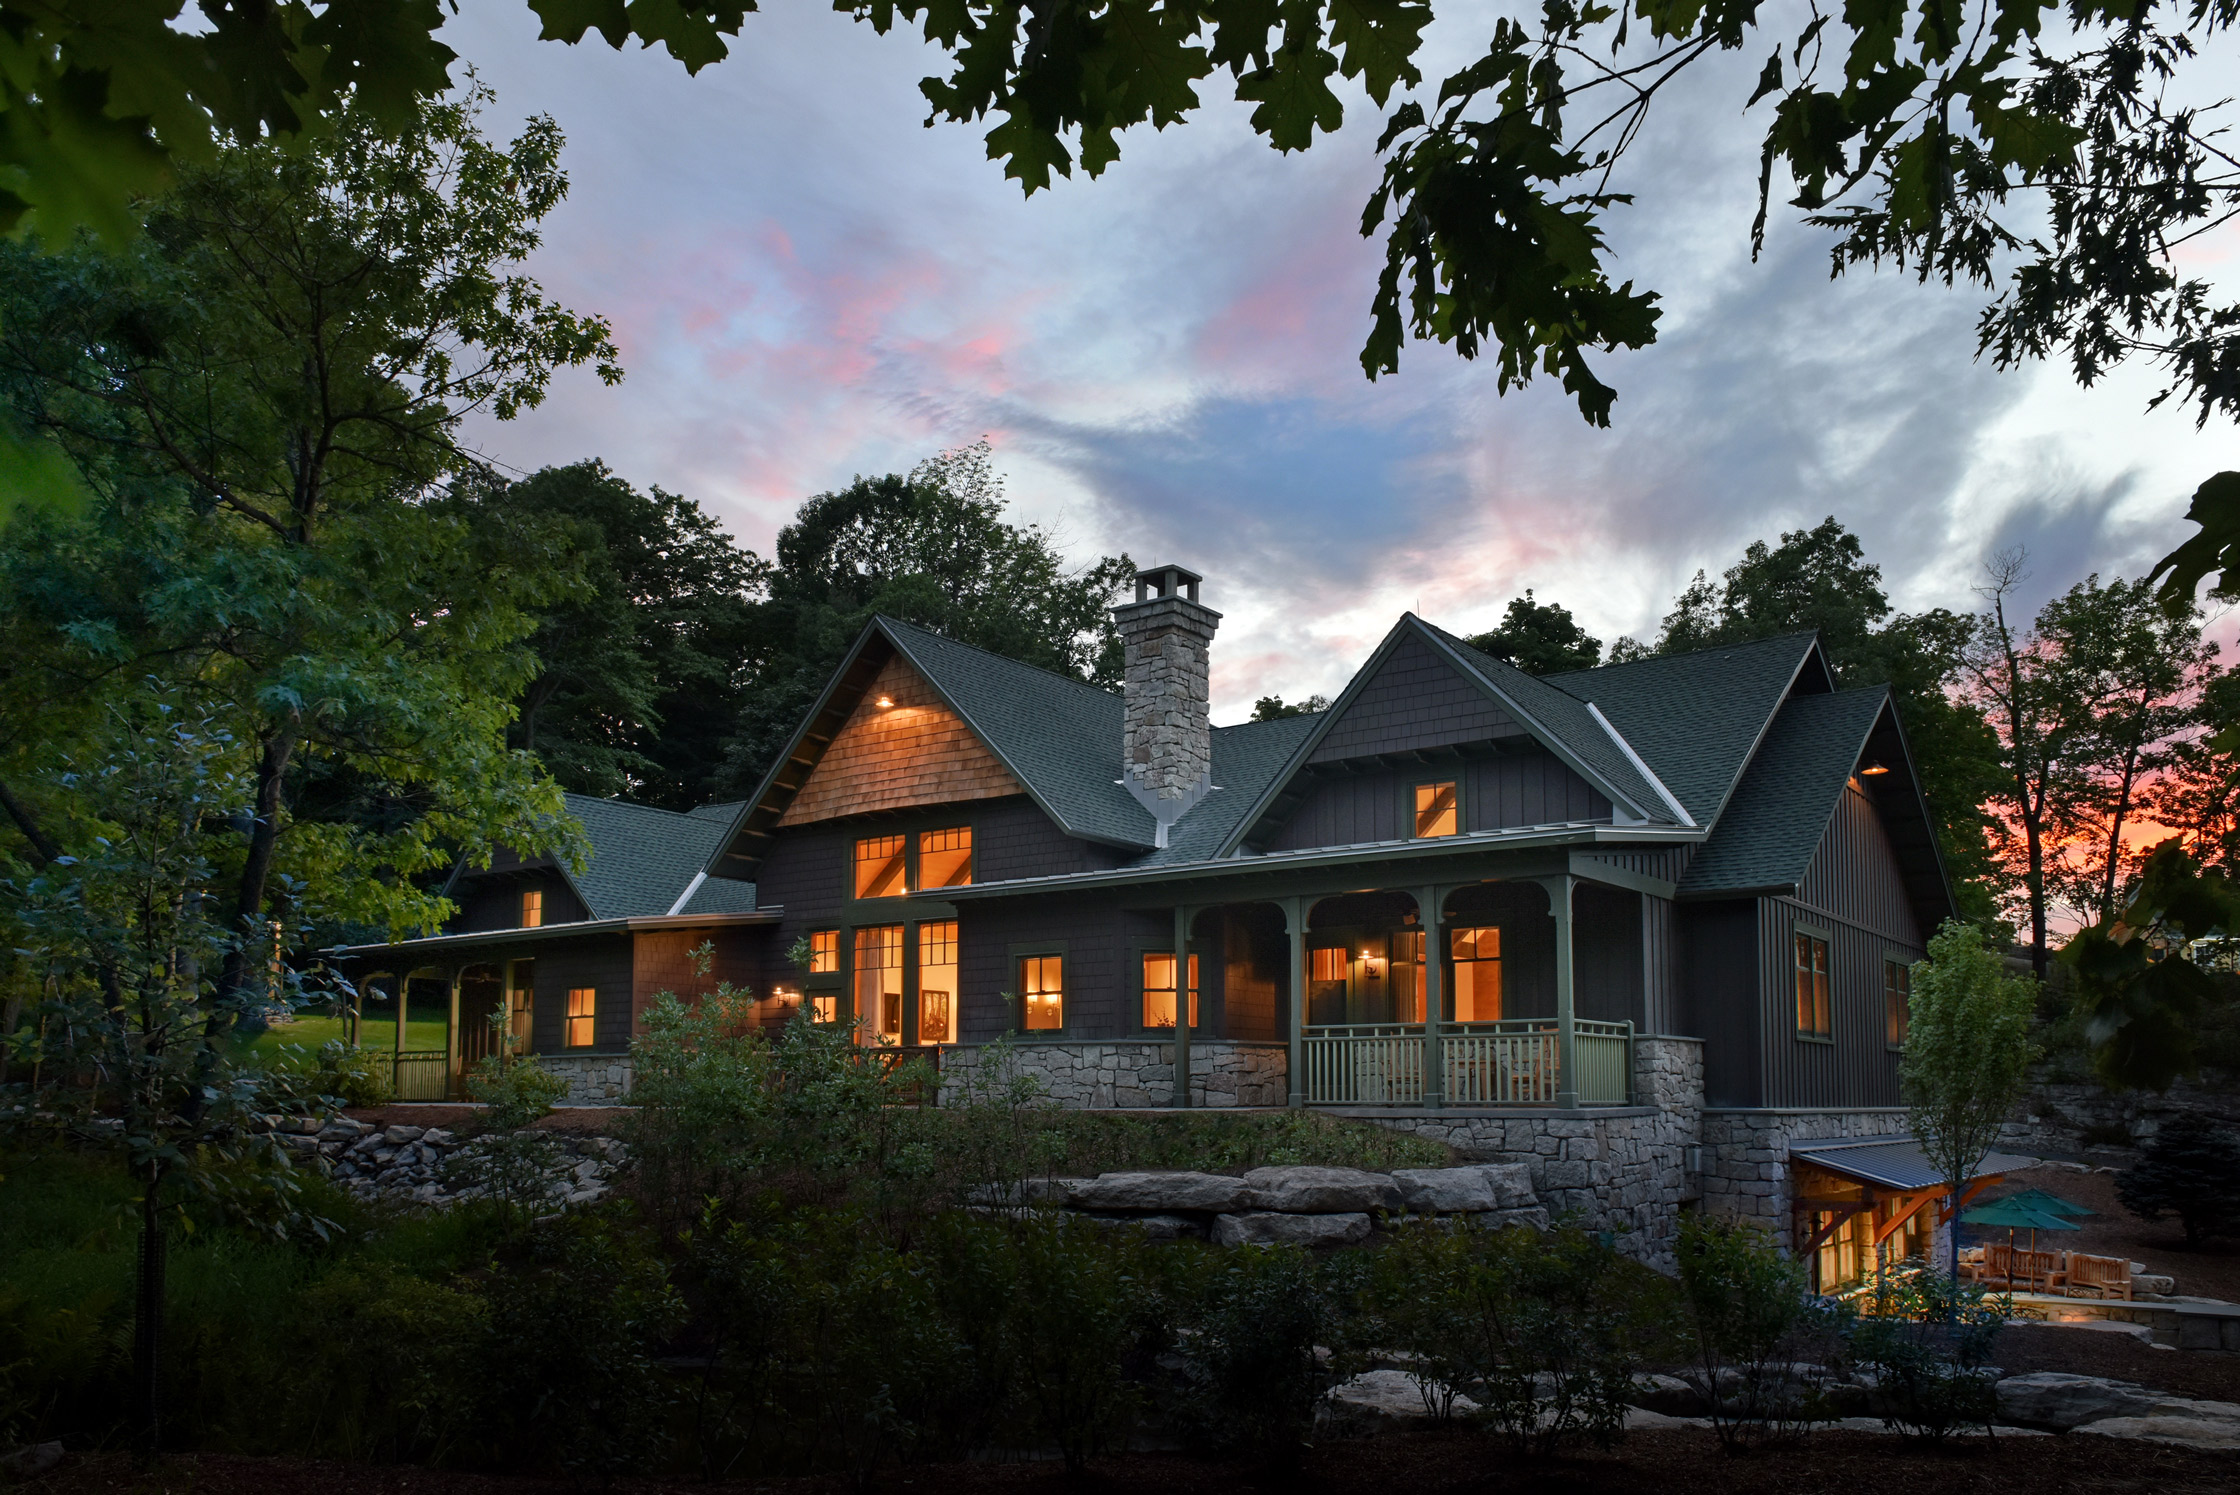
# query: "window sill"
1826,1038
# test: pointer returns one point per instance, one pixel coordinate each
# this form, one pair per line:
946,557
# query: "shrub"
1254,1375
2192,1170
1761,1338
1078,1305
1927,1339
349,1076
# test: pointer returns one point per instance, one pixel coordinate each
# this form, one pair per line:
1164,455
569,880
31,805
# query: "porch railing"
423,1075
1516,1062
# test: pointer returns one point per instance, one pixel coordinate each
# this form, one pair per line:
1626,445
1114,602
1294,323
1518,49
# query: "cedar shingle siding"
915,752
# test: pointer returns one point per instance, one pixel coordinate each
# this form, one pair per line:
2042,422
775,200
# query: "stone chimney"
1167,755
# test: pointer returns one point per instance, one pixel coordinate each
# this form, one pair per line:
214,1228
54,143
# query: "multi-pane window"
824,952
937,981
945,858
824,1007
879,984
521,1003
1436,809
1407,975
1813,1017
1897,1001
880,871
532,908
583,1011
1158,989
1477,973
1042,983
1327,968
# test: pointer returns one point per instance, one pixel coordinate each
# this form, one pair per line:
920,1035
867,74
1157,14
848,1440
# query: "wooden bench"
2098,1276
2010,1266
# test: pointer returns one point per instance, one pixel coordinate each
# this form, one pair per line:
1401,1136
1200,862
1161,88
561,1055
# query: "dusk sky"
807,283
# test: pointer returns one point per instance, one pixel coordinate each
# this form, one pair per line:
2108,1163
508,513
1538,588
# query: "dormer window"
532,908
1437,809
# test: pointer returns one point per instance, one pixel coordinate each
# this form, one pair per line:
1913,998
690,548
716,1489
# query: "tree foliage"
2141,997
2191,1170
1540,638
1276,708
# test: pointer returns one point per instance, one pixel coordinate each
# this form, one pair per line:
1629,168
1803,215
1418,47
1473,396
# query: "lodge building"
1646,925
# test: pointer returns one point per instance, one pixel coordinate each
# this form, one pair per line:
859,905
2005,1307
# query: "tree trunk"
2115,831
2034,837
147,1325
256,869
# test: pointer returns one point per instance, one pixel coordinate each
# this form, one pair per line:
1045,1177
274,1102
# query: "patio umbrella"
2046,1204
2016,1215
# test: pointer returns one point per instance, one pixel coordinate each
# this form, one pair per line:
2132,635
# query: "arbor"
1968,1054
933,549
262,394
1540,638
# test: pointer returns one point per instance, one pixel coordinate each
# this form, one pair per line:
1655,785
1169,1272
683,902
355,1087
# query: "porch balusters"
1295,927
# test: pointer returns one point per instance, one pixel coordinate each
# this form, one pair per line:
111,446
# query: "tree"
1540,638
262,394
641,670
1932,137
2141,996
1275,708
1967,1057
2192,1170
932,549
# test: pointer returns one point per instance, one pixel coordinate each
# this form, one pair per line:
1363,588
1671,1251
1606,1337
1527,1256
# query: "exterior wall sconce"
1872,767
885,702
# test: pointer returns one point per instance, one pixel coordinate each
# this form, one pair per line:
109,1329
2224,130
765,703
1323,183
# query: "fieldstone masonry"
593,1079
410,1164
1168,748
1746,1154
1135,1072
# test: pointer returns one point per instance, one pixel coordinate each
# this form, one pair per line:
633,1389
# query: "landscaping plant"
1927,1341
1761,1339
2191,1170
1256,1369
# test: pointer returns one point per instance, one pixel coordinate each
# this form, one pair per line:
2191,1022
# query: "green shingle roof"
1780,811
642,858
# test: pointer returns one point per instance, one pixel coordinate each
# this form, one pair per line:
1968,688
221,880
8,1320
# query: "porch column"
1295,927
1567,1047
1181,1098
404,990
451,1048
1434,997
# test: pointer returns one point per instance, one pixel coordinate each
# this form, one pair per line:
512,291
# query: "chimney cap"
1167,581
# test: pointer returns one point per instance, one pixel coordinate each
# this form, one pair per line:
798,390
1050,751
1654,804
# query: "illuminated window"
1158,990
1327,966
521,1001
532,908
1042,981
1407,975
879,984
1435,809
937,981
1477,974
1812,986
583,1007
945,858
824,952
1897,1002
824,1007
879,866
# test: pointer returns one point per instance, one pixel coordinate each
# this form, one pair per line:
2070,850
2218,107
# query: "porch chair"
2098,1277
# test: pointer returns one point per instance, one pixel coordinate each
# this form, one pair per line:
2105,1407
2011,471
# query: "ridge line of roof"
1627,664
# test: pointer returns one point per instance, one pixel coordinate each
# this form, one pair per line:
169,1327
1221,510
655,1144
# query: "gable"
1415,700
914,751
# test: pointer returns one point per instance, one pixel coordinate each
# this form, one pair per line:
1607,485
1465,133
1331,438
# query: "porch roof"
1894,1162
443,942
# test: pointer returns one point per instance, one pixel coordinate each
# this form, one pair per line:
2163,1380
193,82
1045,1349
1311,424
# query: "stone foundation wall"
593,1079
1746,1154
1122,1073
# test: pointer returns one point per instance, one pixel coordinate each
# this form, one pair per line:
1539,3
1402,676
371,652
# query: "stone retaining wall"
1746,1154
1300,1205
434,1166
593,1079
1124,1073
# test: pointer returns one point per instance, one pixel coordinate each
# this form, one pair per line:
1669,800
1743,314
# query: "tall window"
937,981
1813,1020
824,952
1042,982
1477,974
1327,966
521,1003
1407,975
945,858
1436,809
1158,989
583,1010
879,866
1897,1002
879,984
532,908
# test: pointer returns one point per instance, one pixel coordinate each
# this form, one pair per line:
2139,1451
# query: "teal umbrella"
2015,1214
2046,1204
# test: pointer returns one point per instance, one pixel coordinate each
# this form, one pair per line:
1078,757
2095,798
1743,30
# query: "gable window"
1158,989
1437,809
532,908
1813,1017
824,952
583,1011
937,981
1042,982
879,866
945,858
879,984
1477,974
1897,1002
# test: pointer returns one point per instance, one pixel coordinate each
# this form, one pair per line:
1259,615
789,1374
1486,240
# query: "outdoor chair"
2098,1277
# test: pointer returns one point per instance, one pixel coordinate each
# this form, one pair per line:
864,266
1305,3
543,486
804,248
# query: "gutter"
647,923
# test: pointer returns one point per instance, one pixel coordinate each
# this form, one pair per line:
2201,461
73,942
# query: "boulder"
1535,1218
2221,1434
2058,1401
1668,1395
31,1459
1155,1227
1307,1190
435,1136
1382,1401
399,1134
1162,1193
1446,1191
1270,1227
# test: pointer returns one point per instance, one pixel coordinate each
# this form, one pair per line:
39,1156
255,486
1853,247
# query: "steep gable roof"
643,859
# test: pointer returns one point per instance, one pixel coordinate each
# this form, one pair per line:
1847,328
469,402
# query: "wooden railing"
422,1075
1516,1062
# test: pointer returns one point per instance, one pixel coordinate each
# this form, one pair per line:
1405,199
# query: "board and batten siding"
1097,939
1415,700
1509,789
603,962
1721,997
488,903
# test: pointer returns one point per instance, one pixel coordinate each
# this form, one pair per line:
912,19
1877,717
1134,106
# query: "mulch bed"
2211,1272
1683,1461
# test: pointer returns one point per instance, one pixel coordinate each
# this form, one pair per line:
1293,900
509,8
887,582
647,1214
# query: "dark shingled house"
1661,912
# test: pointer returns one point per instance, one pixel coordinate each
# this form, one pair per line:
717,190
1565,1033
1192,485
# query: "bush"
1927,1339
1255,1370
1762,1340
2192,1170
349,1076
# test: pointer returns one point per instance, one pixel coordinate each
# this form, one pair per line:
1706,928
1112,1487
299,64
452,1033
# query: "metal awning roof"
1894,1162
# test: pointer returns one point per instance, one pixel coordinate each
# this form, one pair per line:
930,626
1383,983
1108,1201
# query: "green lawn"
309,1033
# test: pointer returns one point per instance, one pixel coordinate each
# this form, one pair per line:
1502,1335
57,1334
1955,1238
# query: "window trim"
569,1017
1016,953
909,826
1461,807
523,904
1827,937
1136,953
1892,956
